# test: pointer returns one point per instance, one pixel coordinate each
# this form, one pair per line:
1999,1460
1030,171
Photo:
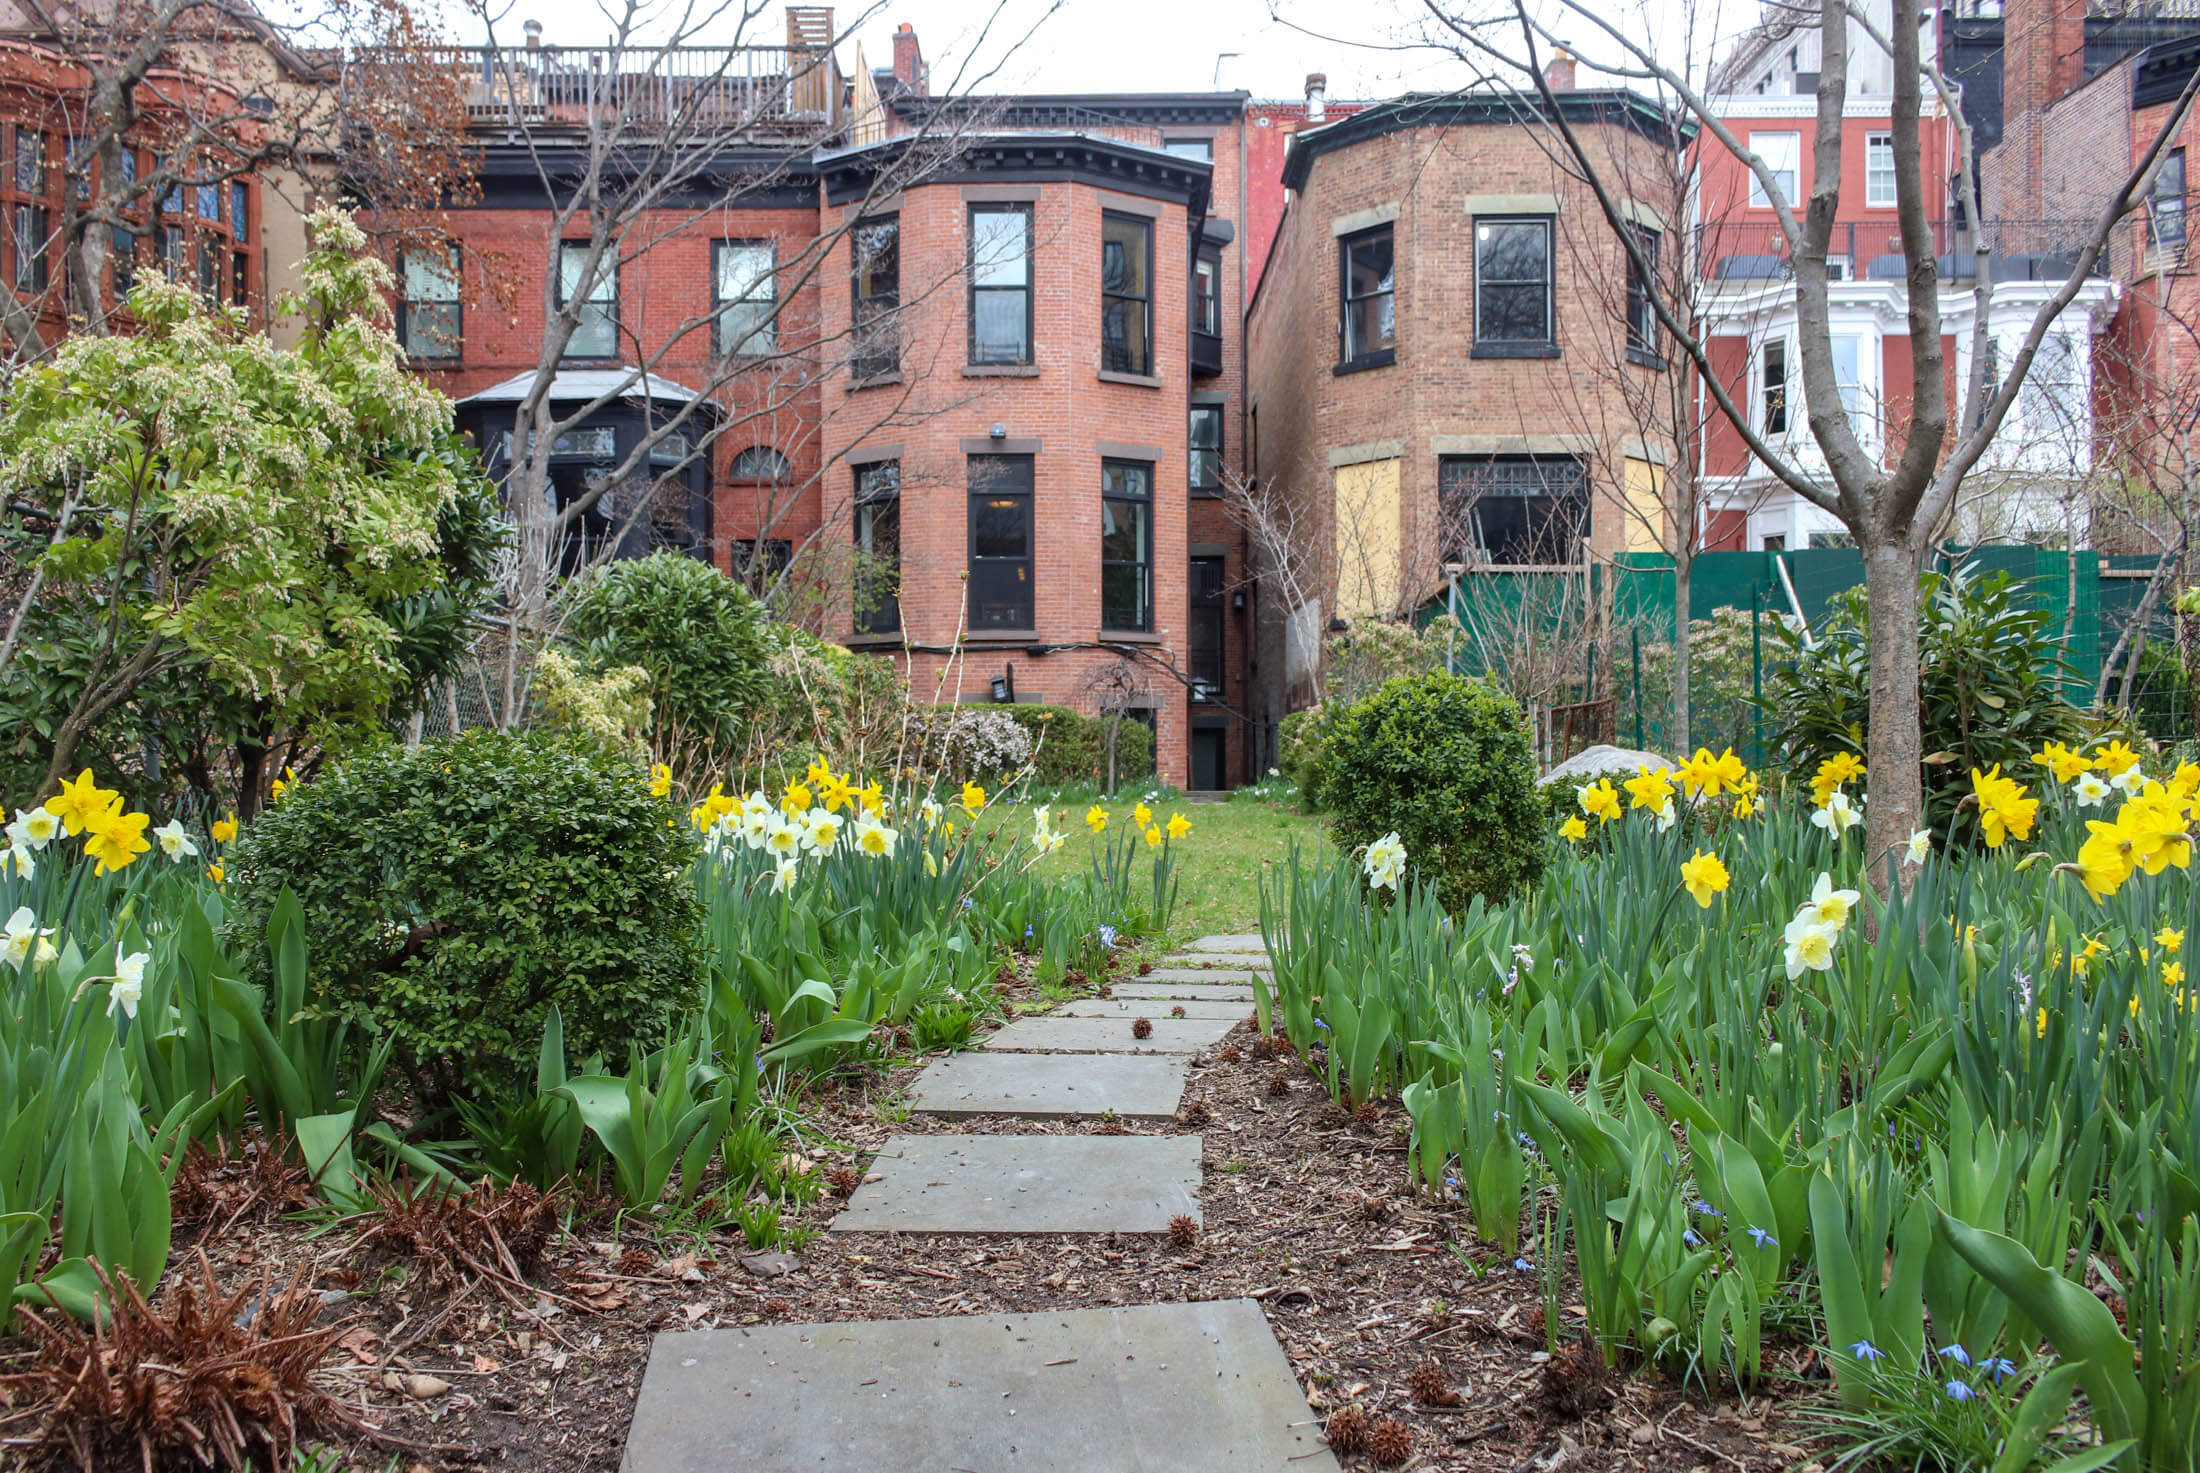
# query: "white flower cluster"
1385,862
978,743
789,838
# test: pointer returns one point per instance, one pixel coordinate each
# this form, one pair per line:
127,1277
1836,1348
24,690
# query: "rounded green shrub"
1447,763
1302,739
456,890
706,644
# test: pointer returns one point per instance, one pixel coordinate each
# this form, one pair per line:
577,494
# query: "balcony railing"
1740,253
695,90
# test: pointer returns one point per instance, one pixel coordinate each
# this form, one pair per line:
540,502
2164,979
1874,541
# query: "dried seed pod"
1390,1442
1279,1084
1347,1430
1431,1387
1183,1231
1142,1028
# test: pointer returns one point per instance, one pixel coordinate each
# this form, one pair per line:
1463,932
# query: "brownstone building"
1435,350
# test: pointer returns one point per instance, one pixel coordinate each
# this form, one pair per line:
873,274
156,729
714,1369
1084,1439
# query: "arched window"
761,463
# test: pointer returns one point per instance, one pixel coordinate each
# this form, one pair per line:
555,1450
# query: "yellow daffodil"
1747,806
1650,787
225,829
872,797
2169,940
660,782
2004,812
796,799
79,801
1600,800
2115,759
282,785
2039,1024
1153,836
1573,828
216,873
1711,776
834,792
1836,771
1179,825
973,799
2173,974
1096,819
1142,816
1703,876
115,838
2061,763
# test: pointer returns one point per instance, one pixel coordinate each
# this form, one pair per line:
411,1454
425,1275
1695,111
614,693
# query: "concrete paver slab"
1186,991
1027,1184
1108,1036
1134,1087
1138,1390
1253,942
1243,976
1156,1008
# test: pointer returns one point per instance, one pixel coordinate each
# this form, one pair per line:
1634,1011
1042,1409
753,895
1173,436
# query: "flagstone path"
1143,1389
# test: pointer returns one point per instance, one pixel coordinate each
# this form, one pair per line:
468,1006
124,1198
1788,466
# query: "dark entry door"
1207,764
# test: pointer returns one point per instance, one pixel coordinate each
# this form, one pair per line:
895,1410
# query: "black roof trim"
1036,157
1603,105
2161,71
1079,109
511,177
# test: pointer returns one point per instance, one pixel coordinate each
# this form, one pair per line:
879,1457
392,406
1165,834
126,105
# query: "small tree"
281,542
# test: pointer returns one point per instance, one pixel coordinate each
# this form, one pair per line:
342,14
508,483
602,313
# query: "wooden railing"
697,90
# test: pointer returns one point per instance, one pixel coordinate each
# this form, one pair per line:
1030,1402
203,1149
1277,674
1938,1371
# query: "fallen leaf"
360,1342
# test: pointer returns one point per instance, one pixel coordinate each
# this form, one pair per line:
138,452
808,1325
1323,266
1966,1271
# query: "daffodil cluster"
2149,833
2004,812
823,813
113,836
1832,808
1385,862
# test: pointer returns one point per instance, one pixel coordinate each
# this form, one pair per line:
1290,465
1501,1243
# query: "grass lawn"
1219,863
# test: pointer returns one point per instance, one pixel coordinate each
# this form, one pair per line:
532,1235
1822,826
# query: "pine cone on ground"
1279,1084
1183,1231
1230,1054
1390,1441
1142,1028
841,1179
1347,1431
1431,1387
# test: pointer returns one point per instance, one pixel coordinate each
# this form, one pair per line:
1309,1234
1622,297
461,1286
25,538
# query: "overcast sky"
1367,48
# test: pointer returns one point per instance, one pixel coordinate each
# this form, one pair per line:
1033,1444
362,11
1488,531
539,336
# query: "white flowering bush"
976,743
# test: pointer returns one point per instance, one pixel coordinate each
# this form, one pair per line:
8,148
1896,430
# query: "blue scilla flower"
1688,1236
1523,1265
1955,1353
1107,937
1762,1238
1027,933
1960,1391
1864,1350
2000,1367
1699,1205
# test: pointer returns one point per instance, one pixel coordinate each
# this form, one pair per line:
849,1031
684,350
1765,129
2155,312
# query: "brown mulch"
1305,1210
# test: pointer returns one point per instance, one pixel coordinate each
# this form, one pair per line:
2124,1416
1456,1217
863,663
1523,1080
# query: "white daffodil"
2129,781
1827,906
1667,816
2090,789
1920,845
128,984
34,828
174,842
783,840
1385,862
1040,818
21,939
19,855
822,830
1839,815
1809,946
875,839
930,811
783,875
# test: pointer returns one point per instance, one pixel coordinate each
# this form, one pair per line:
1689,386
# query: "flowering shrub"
1442,763
981,744
454,892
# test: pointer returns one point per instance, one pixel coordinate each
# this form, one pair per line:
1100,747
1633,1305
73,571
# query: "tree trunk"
1683,571
1895,789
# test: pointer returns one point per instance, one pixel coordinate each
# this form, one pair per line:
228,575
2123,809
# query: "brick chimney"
1558,73
2042,53
1317,93
909,61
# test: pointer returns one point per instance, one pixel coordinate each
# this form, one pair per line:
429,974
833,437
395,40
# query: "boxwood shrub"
1446,762
455,890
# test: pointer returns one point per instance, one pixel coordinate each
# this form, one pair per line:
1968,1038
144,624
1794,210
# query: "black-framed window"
596,329
759,560
1126,544
744,286
1001,542
1772,386
1202,149
430,316
2166,203
32,225
878,545
1126,294
1207,296
876,292
760,463
1369,288
238,230
1203,641
1206,445
1512,283
1523,510
1642,317
1000,284
122,260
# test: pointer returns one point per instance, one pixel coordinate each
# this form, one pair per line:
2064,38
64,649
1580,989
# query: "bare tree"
1283,532
1115,690
1890,502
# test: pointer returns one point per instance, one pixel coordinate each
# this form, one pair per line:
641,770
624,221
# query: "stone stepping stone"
1240,975
1239,943
1186,991
1108,1036
1156,1008
1153,1386
1026,1184
1037,1086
